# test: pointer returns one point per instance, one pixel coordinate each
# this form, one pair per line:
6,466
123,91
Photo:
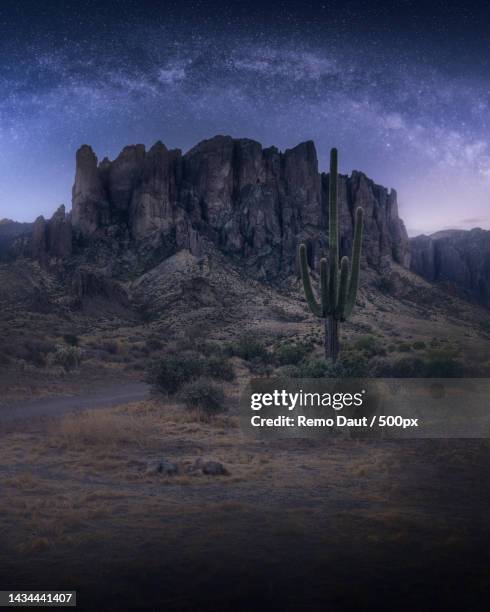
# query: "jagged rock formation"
253,204
457,258
52,239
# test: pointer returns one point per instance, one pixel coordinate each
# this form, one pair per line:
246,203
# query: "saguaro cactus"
338,287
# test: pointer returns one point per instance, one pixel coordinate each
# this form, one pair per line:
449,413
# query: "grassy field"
293,521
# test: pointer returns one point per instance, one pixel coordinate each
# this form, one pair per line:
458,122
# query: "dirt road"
111,395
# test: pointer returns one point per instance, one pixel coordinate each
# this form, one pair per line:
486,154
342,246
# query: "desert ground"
291,524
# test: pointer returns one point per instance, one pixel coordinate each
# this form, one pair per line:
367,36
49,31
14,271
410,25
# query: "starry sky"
401,88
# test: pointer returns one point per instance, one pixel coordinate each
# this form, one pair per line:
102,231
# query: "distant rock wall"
457,258
51,240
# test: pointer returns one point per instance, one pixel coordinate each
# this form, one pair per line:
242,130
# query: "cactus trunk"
338,284
331,338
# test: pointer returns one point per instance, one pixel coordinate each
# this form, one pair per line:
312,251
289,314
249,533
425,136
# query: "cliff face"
51,240
457,258
253,204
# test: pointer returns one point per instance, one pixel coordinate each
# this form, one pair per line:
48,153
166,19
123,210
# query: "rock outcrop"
253,204
51,240
457,258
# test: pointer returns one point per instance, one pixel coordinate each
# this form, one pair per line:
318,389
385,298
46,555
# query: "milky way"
408,109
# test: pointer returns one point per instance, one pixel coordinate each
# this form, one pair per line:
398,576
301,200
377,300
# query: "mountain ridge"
254,204
457,259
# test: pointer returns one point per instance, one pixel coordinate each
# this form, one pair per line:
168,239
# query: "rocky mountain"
253,204
10,231
458,259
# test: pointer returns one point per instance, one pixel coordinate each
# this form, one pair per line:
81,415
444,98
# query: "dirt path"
111,395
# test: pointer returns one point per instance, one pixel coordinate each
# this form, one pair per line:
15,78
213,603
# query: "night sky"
401,88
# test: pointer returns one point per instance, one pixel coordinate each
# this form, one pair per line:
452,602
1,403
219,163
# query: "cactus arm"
343,286
333,241
356,264
315,307
324,285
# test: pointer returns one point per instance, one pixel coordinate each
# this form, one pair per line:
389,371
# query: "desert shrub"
71,339
351,364
34,351
386,285
408,367
204,396
169,374
291,354
485,326
218,367
418,345
284,315
380,367
288,371
258,367
403,347
370,346
68,357
248,348
153,344
208,348
443,363
313,368
111,346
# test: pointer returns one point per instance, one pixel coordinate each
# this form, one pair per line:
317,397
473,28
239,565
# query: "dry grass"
81,490
103,428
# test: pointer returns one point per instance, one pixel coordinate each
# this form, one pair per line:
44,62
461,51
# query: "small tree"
204,396
170,373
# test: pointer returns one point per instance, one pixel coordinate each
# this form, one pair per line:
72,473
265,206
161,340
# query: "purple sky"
405,98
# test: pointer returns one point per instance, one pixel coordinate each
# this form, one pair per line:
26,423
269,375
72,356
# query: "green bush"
288,371
312,368
71,339
408,367
204,396
210,348
403,347
443,363
35,351
419,345
169,374
154,344
218,367
68,357
111,346
249,348
370,346
386,285
291,354
485,326
351,364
